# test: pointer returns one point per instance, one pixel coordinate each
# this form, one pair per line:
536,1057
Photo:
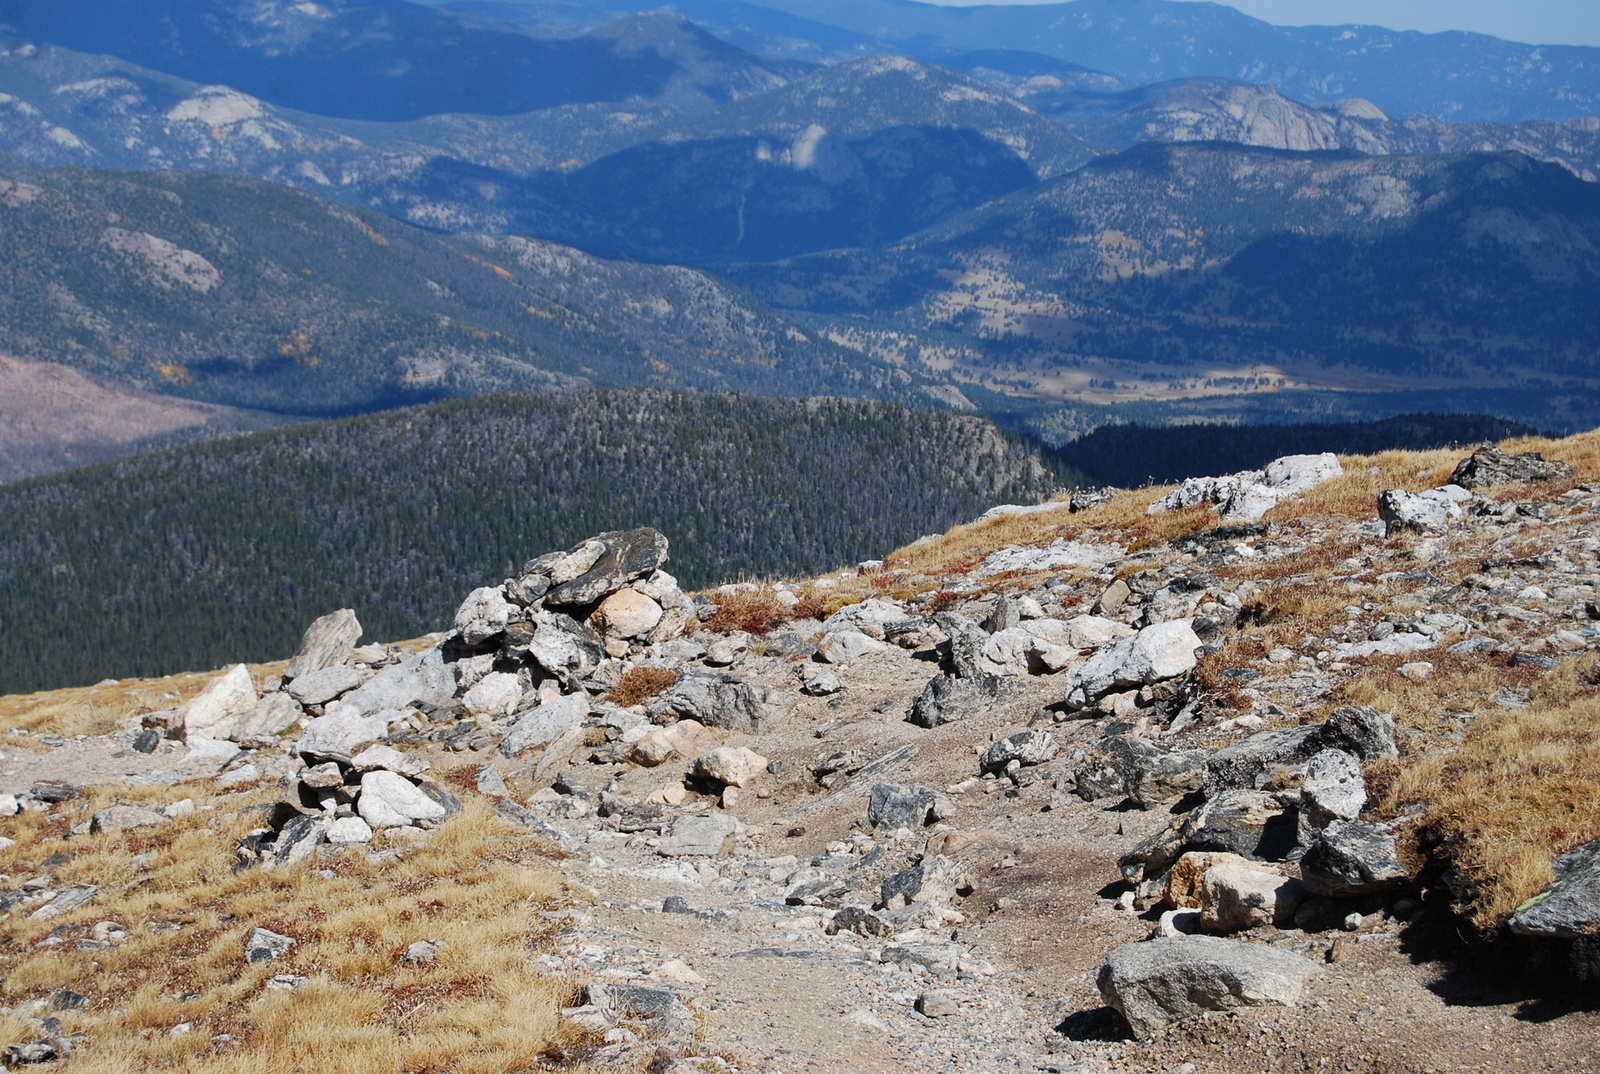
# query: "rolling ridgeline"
223,551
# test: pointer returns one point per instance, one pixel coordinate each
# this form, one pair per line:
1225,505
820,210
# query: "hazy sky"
1556,22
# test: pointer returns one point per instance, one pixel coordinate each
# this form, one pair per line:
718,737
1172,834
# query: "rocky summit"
1286,770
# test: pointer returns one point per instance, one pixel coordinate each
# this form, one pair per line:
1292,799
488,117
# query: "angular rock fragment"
389,800
1490,465
1429,512
731,766
843,646
273,715
1235,897
1034,747
1175,978
340,735
658,1012
326,643
624,556
1155,654
543,725
724,701
1352,857
1124,764
905,805
1252,824
323,685
123,818
483,615
219,706
947,698
699,837
264,945
1361,731
496,694
1569,907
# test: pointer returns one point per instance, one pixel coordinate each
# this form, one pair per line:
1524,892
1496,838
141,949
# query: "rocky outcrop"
1491,466
1246,496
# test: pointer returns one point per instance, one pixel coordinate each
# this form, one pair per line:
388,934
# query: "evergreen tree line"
200,555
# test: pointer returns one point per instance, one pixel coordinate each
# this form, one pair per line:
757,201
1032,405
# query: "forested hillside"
226,550
250,294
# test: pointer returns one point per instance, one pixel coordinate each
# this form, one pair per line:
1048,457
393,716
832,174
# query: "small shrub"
639,685
757,613
808,608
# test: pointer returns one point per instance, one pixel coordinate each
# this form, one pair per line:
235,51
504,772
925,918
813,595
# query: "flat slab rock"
1569,909
1175,978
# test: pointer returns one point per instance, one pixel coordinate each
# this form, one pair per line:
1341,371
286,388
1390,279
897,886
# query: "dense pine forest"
195,556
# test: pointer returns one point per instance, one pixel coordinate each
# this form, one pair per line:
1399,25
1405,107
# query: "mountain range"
249,294
1457,76
1062,214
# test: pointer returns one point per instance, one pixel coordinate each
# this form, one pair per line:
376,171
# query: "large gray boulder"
273,715
1361,731
724,701
1028,748
1569,908
905,805
543,725
1333,788
1425,512
421,681
323,685
341,734
1352,857
390,800
1246,496
564,647
483,616
326,643
948,698
624,556
1491,466
1252,824
220,706
1128,765
1175,978
1155,654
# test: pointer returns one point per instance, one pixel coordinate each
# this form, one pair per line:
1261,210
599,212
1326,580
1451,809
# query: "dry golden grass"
1283,616
1518,791
478,884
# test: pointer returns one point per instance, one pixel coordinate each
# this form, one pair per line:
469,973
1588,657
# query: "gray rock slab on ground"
323,685
1175,978
1569,908
724,701
699,837
545,724
1352,857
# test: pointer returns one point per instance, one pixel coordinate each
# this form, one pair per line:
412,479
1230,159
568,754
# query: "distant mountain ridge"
1161,269
249,294
389,60
1463,77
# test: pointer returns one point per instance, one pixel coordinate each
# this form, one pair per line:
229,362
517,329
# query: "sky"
1541,22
